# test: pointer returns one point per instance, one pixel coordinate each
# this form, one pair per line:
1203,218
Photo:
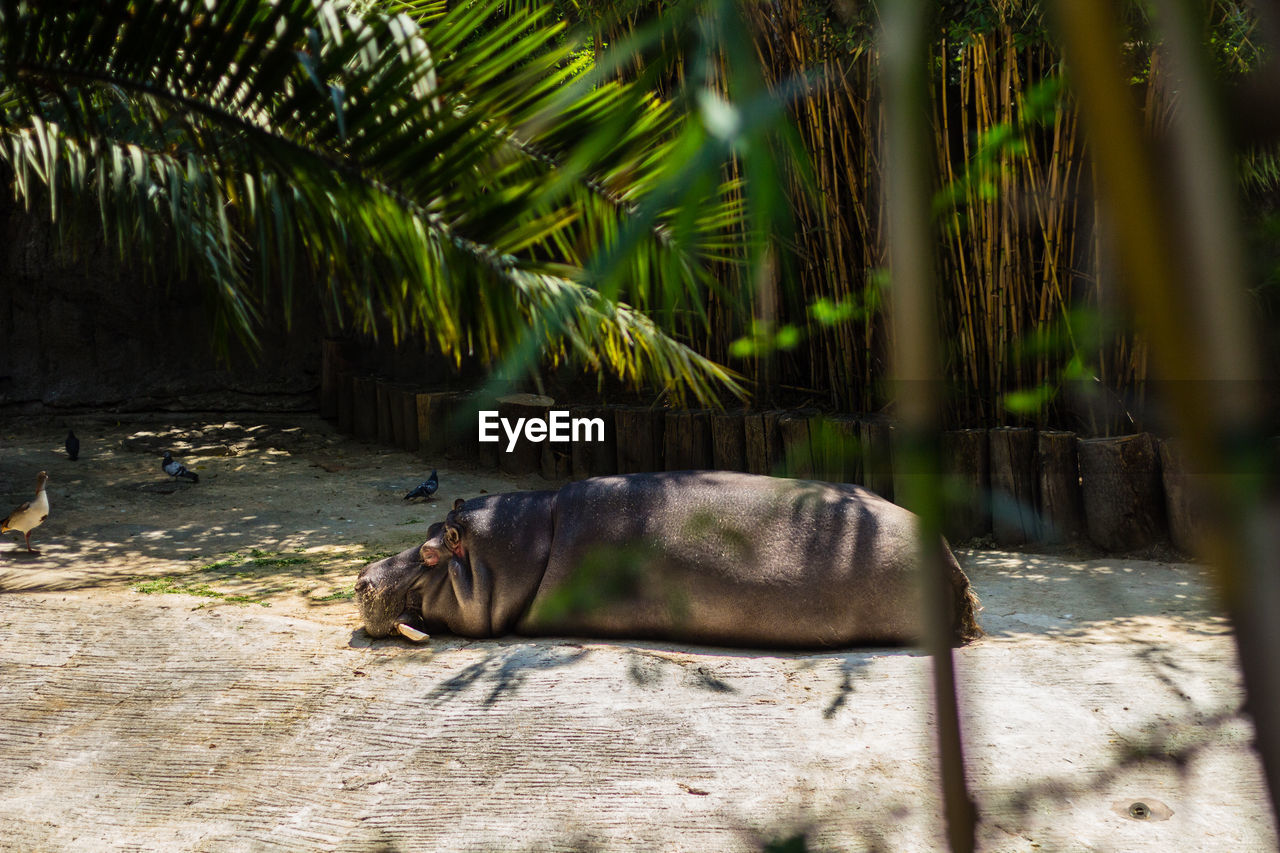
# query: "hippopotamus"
703,557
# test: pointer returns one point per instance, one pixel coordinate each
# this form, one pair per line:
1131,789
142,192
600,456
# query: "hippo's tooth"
411,633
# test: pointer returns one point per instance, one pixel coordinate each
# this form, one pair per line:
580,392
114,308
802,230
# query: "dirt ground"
182,670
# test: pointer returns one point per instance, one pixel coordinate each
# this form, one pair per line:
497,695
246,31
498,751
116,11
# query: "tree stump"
594,458
346,400
877,455
641,436
336,357
526,456
1185,501
688,440
386,434
966,484
1123,496
1061,505
796,442
432,410
729,441
1014,519
364,404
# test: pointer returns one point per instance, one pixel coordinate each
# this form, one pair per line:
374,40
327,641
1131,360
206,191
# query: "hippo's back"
737,559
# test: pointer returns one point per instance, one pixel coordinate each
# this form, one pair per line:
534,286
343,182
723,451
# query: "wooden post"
555,463
687,440
594,458
464,428
395,414
877,455
431,410
1123,497
386,435
674,436
461,433
365,408
966,484
756,444
728,441
1184,500
773,441
555,457
843,457
346,402
1061,506
336,357
409,419
796,442
526,456
1013,485
826,449
641,438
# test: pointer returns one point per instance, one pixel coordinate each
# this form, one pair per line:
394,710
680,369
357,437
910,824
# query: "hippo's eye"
451,537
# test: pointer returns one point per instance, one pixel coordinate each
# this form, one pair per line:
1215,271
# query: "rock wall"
84,330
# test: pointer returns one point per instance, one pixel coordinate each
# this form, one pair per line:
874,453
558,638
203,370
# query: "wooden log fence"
1018,485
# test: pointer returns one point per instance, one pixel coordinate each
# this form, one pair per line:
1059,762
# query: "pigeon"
426,488
31,514
174,468
73,445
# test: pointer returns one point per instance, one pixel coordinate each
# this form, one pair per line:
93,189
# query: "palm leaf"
412,170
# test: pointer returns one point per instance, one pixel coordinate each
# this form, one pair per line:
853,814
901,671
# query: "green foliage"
346,593
451,171
203,590
764,339
604,577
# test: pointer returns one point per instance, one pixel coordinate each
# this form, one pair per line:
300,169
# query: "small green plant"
346,593
169,584
255,559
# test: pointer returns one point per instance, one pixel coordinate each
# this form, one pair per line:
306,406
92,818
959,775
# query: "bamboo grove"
1033,330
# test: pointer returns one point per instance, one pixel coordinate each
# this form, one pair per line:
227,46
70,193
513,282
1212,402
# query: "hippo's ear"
457,505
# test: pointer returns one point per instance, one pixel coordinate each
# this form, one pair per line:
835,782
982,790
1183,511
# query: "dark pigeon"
425,489
174,468
73,445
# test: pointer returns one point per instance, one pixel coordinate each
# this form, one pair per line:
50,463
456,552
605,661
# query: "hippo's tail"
964,626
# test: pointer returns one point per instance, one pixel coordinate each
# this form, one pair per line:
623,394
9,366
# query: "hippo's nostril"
362,585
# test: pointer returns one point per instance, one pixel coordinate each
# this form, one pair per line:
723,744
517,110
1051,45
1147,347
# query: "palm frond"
416,169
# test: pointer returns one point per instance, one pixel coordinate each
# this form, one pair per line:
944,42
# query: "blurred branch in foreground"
916,371
1175,238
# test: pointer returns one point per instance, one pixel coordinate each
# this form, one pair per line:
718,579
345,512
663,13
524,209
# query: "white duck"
31,514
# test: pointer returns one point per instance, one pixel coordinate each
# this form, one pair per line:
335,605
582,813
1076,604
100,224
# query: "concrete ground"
182,669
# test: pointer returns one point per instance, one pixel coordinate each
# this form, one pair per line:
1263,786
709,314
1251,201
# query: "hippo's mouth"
383,616
387,599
